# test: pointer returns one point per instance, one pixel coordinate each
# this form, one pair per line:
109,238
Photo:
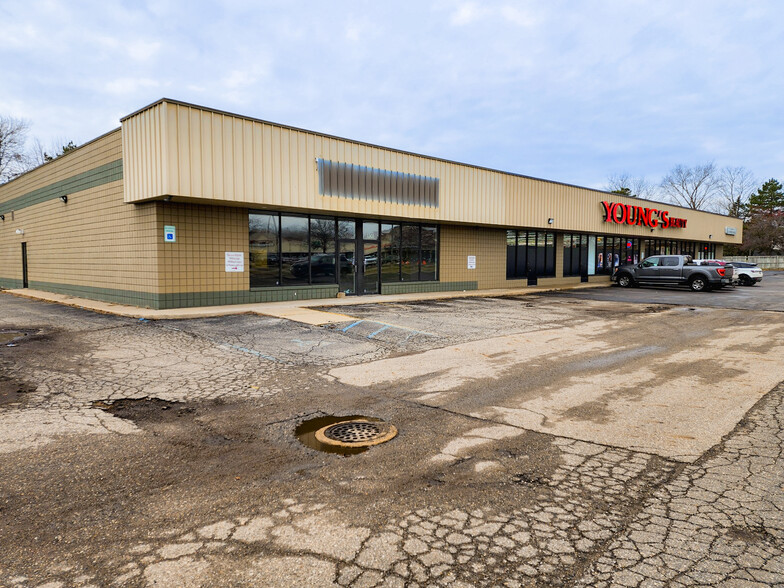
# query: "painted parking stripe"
381,330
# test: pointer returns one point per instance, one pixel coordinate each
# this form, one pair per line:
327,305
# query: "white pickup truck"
673,270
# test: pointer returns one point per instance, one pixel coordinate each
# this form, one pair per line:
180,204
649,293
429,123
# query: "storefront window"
390,253
575,254
511,253
322,250
294,250
289,250
410,254
429,266
529,254
264,262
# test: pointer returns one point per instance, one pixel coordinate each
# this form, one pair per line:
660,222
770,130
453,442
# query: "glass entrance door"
358,257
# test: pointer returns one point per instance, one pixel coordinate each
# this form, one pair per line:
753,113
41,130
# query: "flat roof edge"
78,147
404,152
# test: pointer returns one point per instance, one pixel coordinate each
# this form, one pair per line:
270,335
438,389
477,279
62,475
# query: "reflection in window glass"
264,258
370,231
347,229
409,253
428,269
322,250
294,250
298,250
390,253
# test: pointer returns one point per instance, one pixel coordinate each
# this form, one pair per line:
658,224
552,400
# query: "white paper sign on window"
472,262
235,261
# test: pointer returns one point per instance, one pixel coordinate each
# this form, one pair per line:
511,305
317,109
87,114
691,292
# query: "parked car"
745,274
673,270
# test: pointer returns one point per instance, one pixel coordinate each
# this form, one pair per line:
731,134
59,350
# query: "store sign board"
628,214
235,261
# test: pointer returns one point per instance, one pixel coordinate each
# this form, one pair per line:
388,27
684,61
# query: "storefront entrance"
358,250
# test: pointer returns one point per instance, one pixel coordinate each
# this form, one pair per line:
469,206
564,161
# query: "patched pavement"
555,440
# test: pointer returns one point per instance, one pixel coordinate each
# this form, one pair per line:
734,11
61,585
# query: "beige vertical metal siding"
187,151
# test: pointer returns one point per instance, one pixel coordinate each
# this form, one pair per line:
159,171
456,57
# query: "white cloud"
466,13
563,90
142,50
128,85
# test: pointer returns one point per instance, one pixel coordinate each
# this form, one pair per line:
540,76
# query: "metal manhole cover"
356,433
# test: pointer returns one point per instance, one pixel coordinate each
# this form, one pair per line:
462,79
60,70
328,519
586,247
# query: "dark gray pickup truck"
673,270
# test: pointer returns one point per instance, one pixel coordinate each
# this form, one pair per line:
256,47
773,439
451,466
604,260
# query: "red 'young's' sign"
628,214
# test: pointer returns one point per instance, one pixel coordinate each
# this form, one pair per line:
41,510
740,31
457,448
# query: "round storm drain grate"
356,433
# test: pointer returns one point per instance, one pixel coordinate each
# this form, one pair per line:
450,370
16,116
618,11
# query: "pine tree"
768,199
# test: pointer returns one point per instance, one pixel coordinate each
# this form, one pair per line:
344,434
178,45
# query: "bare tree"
39,155
733,189
692,187
634,186
13,160
322,234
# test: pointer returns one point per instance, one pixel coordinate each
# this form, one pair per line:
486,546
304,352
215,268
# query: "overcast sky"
571,91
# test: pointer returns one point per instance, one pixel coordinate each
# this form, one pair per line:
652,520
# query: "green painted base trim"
281,294
190,299
409,287
187,299
103,174
10,283
129,297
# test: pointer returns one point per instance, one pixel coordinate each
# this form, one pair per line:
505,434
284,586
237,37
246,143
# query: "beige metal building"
188,206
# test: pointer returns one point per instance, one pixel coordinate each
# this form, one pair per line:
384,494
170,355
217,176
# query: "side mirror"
639,265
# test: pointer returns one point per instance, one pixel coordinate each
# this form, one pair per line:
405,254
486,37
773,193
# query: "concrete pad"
307,315
271,308
439,370
676,399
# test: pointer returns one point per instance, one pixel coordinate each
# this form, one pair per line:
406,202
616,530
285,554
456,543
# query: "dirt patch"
13,391
752,535
145,410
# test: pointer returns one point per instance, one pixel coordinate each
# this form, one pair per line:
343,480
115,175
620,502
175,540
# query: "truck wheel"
698,284
625,281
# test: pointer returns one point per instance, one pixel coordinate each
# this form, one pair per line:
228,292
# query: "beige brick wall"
489,247
196,261
94,240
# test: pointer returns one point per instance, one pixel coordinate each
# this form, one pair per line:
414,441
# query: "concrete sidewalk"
303,311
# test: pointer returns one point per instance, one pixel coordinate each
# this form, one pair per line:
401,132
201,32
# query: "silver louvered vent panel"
367,183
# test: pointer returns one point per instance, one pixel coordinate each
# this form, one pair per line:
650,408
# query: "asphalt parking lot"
606,437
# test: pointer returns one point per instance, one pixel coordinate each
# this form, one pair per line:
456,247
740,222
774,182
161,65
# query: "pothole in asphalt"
147,410
344,435
13,391
8,337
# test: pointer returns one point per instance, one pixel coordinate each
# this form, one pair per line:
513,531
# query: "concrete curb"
304,311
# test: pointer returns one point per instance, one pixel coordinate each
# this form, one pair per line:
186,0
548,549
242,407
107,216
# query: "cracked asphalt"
602,438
